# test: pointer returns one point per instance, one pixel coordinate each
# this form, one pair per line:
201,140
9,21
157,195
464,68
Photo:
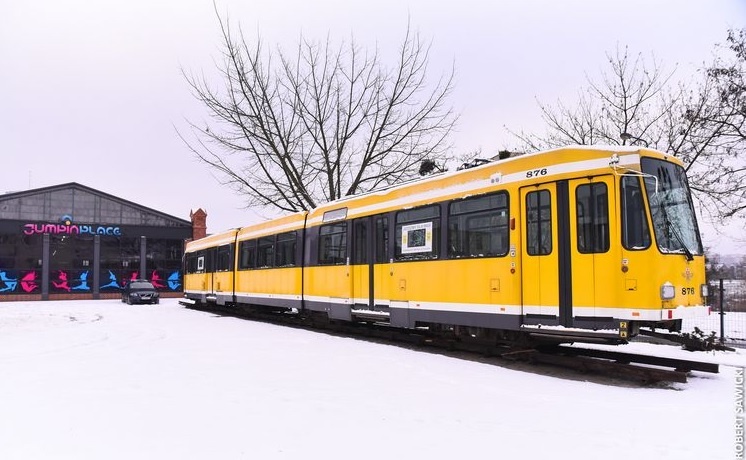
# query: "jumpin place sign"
66,227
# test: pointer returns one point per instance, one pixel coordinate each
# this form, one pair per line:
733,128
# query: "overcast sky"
91,91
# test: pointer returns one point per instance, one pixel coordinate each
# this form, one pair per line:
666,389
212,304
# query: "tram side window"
286,246
205,261
539,223
224,261
333,244
635,230
382,240
265,252
359,242
247,255
592,209
418,233
478,227
191,263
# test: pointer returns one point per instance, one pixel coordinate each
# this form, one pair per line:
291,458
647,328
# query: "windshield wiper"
675,232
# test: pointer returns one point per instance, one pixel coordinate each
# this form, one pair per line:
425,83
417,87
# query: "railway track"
643,369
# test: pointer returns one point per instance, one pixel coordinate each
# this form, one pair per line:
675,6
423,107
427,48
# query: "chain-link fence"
728,318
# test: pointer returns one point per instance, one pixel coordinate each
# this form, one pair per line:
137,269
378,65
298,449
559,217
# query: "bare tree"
708,132
625,107
636,103
294,130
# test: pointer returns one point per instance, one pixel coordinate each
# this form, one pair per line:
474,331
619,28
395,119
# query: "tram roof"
477,180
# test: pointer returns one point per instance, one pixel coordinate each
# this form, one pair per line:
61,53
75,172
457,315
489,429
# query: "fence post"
722,314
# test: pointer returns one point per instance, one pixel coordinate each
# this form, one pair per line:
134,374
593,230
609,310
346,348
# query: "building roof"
81,204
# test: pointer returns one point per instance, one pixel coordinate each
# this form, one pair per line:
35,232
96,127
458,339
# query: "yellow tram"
577,238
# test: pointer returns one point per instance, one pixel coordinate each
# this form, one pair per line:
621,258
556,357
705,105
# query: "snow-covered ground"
102,380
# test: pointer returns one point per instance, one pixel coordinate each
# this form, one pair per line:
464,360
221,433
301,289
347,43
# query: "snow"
102,380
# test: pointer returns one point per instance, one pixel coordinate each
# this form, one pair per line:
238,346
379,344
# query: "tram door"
206,264
361,270
594,259
567,255
370,263
539,258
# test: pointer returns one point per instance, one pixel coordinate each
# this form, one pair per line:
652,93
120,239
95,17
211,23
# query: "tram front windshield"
671,208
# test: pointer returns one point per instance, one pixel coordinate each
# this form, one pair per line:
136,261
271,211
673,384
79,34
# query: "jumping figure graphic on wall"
173,281
83,286
28,282
156,279
10,283
112,281
61,282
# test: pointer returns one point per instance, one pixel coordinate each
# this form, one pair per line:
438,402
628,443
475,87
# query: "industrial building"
70,241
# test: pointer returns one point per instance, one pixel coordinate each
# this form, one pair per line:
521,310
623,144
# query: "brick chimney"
199,223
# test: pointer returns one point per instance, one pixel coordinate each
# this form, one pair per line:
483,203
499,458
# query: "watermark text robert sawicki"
739,422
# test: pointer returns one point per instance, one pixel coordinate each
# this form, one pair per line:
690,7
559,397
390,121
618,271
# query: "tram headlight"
704,290
668,291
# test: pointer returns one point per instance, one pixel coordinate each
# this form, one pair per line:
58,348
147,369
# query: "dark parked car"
139,291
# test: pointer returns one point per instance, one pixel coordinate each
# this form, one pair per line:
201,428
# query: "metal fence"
728,318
